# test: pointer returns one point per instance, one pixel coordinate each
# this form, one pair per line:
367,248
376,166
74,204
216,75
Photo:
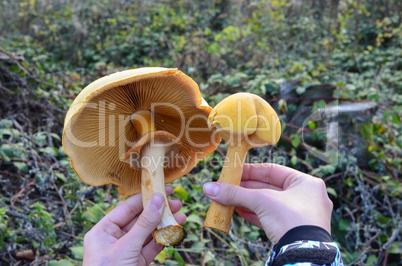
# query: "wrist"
305,244
303,232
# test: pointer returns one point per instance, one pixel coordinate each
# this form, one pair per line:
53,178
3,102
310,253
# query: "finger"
126,214
150,250
234,195
174,205
125,211
258,185
274,174
169,190
250,217
145,225
180,218
149,239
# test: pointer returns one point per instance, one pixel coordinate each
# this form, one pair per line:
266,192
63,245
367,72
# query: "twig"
298,115
326,179
289,139
299,128
73,236
394,235
16,215
188,257
65,209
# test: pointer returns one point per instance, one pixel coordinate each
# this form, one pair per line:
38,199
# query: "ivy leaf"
21,166
332,192
78,252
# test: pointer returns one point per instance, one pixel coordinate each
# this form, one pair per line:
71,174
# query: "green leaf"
293,160
319,135
94,214
209,256
60,176
366,130
192,238
332,192
216,78
5,123
344,225
257,263
161,257
295,140
396,119
21,166
311,125
323,170
5,132
60,263
179,258
7,150
40,138
50,151
198,246
194,218
182,193
78,252
350,87
300,90
371,260
395,248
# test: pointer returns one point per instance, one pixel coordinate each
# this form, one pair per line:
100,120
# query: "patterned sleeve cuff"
305,245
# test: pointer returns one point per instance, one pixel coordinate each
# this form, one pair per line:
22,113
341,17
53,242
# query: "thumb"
232,195
146,223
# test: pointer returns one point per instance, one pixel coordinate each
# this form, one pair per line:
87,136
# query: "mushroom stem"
168,232
219,215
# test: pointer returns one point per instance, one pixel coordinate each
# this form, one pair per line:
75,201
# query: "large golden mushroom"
139,129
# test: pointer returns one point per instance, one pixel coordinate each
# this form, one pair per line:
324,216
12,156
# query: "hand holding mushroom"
276,199
123,128
244,121
123,236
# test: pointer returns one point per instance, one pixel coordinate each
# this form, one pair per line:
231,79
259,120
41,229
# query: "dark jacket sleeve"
305,245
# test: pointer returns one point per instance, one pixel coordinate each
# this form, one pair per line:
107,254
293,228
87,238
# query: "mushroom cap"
246,117
98,131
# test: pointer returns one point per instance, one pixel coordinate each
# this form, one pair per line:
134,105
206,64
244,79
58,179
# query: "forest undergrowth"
302,57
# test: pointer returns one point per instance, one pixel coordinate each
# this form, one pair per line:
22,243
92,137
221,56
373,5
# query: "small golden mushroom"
124,128
244,121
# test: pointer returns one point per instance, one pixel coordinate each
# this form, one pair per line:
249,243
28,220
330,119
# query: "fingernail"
211,189
156,201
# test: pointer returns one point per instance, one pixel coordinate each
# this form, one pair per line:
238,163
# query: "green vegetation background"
299,55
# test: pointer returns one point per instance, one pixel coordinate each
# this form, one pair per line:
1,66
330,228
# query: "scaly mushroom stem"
218,215
153,156
168,232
